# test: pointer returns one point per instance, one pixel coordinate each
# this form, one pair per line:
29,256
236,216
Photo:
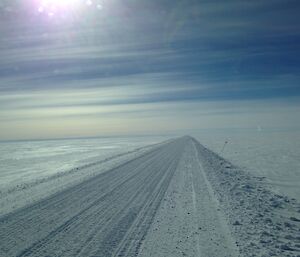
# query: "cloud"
139,59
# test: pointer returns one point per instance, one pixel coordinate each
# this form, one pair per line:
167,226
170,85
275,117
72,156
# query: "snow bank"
274,155
264,223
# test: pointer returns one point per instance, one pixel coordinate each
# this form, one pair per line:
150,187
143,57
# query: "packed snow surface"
175,198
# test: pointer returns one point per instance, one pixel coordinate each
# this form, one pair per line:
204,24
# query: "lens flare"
58,3
53,7
62,6
65,8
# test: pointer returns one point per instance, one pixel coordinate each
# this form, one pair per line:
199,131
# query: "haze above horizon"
90,68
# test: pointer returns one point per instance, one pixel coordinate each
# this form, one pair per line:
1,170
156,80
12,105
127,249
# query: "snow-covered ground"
272,154
32,170
24,161
143,197
175,198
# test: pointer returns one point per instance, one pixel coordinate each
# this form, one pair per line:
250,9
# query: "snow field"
175,198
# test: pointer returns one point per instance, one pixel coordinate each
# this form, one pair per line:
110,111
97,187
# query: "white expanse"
275,155
272,154
32,170
23,161
174,198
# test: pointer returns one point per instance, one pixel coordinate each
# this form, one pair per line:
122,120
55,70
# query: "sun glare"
58,3
53,7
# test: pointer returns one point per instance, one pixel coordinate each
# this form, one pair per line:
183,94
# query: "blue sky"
140,67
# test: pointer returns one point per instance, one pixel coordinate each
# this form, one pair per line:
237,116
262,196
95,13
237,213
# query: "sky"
131,67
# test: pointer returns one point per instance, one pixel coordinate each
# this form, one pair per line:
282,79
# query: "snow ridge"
263,223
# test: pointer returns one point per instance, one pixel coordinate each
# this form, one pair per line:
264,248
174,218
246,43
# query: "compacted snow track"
107,215
177,199
190,221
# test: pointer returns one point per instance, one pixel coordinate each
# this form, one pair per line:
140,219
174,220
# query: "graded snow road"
178,199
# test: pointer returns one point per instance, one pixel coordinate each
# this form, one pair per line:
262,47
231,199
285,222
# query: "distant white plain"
32,170
272,154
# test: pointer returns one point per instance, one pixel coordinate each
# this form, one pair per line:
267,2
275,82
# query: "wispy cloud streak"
136,54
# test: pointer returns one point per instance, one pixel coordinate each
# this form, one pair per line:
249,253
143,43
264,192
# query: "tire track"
189,222
132,241
104,216
80,215
118,227
84,219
